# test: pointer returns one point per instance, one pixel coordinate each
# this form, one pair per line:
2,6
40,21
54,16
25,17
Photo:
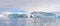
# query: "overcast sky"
32,5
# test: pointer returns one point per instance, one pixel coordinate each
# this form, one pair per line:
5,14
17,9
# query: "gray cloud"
32,5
